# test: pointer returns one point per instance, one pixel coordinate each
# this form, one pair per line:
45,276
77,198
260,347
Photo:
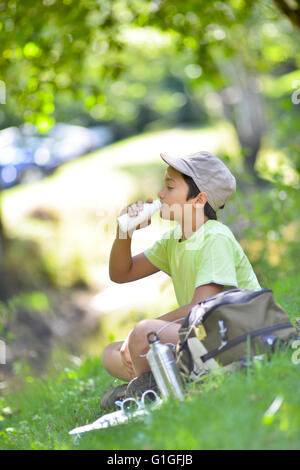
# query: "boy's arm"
201,293
125,268
122,267
120,259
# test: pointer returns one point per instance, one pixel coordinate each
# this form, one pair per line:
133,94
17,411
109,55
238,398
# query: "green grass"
227,412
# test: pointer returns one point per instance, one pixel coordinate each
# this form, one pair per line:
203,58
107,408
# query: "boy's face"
173,196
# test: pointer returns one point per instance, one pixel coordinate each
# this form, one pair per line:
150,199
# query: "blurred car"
16,162
26,155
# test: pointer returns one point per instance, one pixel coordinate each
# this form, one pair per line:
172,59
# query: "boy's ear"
201,199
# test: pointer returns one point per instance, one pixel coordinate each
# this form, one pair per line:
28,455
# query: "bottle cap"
151,341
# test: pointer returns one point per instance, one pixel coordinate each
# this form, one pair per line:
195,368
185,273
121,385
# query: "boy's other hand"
126,358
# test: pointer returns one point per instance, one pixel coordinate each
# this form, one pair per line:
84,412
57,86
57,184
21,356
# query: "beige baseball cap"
209,173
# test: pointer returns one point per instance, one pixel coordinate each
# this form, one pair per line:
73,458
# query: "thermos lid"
151,334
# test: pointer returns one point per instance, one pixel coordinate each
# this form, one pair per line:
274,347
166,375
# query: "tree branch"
291,8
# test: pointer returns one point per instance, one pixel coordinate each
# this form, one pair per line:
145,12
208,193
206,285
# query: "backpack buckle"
200,331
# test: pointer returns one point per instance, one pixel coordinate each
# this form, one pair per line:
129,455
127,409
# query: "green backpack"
229,329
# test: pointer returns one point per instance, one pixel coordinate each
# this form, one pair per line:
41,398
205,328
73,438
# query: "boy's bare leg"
138,343
111,361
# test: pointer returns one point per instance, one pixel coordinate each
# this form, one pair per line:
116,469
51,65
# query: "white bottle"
126,222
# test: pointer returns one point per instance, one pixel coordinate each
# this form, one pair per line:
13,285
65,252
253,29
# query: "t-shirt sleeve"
158,255
216,263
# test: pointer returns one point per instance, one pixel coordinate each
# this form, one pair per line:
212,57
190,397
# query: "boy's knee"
139,333
107,354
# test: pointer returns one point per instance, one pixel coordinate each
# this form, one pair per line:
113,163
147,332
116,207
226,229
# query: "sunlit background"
91,93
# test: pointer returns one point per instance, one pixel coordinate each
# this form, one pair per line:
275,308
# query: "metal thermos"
164,368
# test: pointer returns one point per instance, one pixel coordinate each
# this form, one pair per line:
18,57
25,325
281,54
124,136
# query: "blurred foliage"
135,63
72,248
267,226
35,301
149,65
74,251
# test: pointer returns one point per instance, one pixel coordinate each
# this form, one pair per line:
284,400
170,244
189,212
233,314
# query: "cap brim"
176,163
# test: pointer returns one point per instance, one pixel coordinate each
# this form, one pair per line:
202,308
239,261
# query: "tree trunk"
243,106
290,8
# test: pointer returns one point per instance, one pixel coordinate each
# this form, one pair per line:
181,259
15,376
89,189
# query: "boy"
200,254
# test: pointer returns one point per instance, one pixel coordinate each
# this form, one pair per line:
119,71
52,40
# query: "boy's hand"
125,357
133,210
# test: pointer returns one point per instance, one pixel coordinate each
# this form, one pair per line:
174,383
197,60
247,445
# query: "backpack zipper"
240,339
248,297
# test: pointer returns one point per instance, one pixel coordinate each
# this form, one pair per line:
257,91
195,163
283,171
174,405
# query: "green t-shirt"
211,254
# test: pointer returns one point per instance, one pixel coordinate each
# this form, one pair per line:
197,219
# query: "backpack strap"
197,350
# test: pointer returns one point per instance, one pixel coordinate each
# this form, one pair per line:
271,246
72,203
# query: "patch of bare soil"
33,335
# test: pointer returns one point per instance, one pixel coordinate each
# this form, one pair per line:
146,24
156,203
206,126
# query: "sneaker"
111,396
139,385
